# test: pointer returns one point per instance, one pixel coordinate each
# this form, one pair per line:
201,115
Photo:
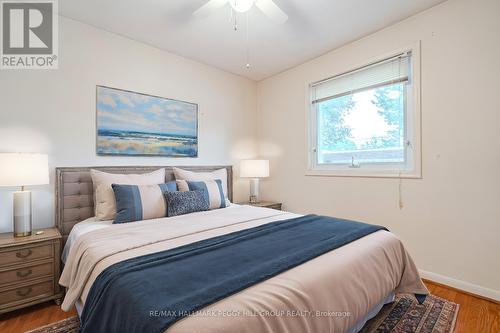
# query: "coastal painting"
135,124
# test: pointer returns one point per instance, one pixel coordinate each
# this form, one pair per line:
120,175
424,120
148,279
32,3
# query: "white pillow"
181,174
104,197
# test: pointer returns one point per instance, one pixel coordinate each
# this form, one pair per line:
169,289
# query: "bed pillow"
212,190
180,203
104,199
141,202
181,174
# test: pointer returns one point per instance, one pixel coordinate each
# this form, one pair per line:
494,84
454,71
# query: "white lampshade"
22,169
254,168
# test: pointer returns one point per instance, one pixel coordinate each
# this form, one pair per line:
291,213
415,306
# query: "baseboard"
486,293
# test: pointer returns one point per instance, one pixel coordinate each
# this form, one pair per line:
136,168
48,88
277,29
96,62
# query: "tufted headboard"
74,194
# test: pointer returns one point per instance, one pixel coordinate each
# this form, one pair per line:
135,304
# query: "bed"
334,292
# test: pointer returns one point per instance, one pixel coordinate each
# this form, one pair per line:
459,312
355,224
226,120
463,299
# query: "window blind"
393,70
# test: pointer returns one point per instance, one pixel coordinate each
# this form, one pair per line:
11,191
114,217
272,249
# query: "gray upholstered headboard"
74,194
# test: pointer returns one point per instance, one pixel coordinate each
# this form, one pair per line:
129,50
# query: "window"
366,122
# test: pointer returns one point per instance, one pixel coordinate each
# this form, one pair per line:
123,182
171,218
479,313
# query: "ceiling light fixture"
268,7
241,6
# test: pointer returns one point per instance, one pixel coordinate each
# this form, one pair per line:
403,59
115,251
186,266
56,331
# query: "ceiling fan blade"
209,7
270,9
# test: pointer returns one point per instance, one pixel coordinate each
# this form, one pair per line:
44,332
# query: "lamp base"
22,214
254,190
22,234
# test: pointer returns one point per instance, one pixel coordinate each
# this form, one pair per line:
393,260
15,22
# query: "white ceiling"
313,28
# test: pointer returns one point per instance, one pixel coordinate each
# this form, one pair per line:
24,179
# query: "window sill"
362,174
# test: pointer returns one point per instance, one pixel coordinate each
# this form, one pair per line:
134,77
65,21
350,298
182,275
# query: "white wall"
54,111
451,218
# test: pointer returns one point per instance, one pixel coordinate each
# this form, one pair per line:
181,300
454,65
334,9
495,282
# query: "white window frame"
413,169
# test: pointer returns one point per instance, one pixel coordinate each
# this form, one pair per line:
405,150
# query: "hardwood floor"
32,317
475,314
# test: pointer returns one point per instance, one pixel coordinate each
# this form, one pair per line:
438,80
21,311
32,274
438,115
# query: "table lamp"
22,169
254,169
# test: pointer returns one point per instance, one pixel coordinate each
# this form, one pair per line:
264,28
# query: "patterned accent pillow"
213,191
141,202
180,203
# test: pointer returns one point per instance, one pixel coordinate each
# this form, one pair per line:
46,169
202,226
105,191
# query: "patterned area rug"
405,315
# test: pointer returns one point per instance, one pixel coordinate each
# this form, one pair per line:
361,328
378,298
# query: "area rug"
404,315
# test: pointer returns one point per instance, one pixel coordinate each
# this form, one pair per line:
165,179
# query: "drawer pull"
24,292
23,274
24,255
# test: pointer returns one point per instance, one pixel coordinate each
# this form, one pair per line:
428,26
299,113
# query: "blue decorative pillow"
213,191
180,203
141,202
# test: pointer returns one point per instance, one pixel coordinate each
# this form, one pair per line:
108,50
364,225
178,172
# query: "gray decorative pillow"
179,203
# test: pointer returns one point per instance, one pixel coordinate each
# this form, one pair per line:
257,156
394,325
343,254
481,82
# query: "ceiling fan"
268,7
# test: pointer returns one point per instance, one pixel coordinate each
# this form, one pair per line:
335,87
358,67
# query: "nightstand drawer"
27,292
26,254
26,273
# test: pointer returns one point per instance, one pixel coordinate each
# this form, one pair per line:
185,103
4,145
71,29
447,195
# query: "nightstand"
266,204
29,269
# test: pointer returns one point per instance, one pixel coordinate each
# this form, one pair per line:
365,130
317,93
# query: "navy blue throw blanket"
152,292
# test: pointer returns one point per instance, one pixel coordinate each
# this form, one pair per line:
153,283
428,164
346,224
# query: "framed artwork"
134,124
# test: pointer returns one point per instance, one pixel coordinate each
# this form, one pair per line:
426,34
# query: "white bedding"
375,265
92,223
80,229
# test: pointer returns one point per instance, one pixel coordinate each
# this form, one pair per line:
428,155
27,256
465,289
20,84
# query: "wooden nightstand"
266,204
29,269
